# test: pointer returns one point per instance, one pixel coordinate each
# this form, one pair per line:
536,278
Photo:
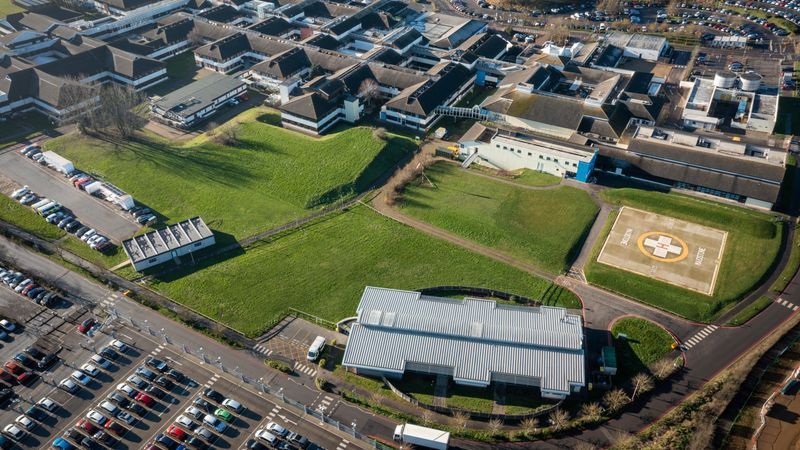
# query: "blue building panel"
585,169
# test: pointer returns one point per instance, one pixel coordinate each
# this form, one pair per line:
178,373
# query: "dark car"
109,353
164,382
90,444
166,441
115,428
201,404
146,373
106,438
214,395
119,399
253,444
25,360
6,394
298,439
36,414
136,409
197,443
176,375
156,364
73,434
46,362
155,392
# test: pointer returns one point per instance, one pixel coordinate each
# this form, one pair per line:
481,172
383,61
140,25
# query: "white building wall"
515,155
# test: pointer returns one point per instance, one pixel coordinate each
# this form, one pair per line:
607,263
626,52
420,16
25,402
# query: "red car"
86,426
26,378
14,368
86,325
146,399
115,428
176,432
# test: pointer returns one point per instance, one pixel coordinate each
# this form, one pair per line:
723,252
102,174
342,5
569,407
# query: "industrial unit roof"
154,243
477,338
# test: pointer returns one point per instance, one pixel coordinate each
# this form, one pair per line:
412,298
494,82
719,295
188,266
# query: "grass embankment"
645,344
22,128
322,269
6,8
545,227
271,177
524,177
751,248
26,219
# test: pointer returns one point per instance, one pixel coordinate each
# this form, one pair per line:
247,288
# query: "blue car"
62,444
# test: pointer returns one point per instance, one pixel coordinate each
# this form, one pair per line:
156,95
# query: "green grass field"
323,269
646,343
544,227
751,249
6,8
271,177
24,218
523,177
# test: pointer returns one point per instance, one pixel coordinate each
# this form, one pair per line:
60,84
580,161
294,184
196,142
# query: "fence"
257,383
477,292
313,319
474,415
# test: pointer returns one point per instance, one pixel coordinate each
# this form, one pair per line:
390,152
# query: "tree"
195,38
559,35
624,441
611,7
592,411
79,101
116,109
495,425
663,368
227,134
461,419
642,382
615,399
369,91
672,8
559,419
529,425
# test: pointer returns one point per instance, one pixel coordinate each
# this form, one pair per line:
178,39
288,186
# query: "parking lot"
103,217
119,380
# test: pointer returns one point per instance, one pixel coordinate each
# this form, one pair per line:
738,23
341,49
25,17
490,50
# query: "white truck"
422,436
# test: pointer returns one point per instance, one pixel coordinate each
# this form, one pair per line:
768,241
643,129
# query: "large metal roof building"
475,341
168,244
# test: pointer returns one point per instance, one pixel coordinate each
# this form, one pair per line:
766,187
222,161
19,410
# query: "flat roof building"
167,244
197,101
475,341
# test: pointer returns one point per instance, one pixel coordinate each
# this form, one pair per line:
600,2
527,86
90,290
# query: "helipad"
664,248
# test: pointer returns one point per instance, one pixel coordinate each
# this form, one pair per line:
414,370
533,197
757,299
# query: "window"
197,244
505,148
548,158
574,164
530,154
152,260
497,145
541,157
555,160
519,151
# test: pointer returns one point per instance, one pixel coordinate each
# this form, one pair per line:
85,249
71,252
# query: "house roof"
422,98
197,95
476,338
324,41
221,13
273,26
312,106
126,5
553,110
158,242
284,65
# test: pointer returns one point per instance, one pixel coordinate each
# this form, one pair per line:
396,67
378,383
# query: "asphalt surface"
299,387
99,214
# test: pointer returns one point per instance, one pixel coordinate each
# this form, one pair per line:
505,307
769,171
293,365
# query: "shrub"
322,384
279,365
322,362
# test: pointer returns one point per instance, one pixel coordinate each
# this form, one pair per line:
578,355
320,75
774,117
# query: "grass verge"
751,249
24,218
750,311
645,344
322,270
545,227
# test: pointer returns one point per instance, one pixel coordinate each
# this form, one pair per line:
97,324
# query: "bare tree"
615,399
461,419
559,419
663,368
611,7
369,91
529,425
672,8
227,134
558,34
495,425
117,105
78,101
426,416
195,38
377,398
592,410
642,382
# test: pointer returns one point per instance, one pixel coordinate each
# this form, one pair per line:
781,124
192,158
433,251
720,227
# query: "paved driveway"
94,212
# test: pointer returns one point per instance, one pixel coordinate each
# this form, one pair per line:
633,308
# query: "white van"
316,348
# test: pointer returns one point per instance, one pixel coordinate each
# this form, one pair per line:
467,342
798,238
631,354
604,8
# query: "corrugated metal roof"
476,337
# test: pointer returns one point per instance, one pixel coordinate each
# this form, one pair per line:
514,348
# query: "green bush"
322,362
279,365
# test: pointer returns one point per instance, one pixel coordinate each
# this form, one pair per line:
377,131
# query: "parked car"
119,346
157,364
100,361
214,395
68,385
146,373
81,377
233,405
47,404
90,369
86,325
277,429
